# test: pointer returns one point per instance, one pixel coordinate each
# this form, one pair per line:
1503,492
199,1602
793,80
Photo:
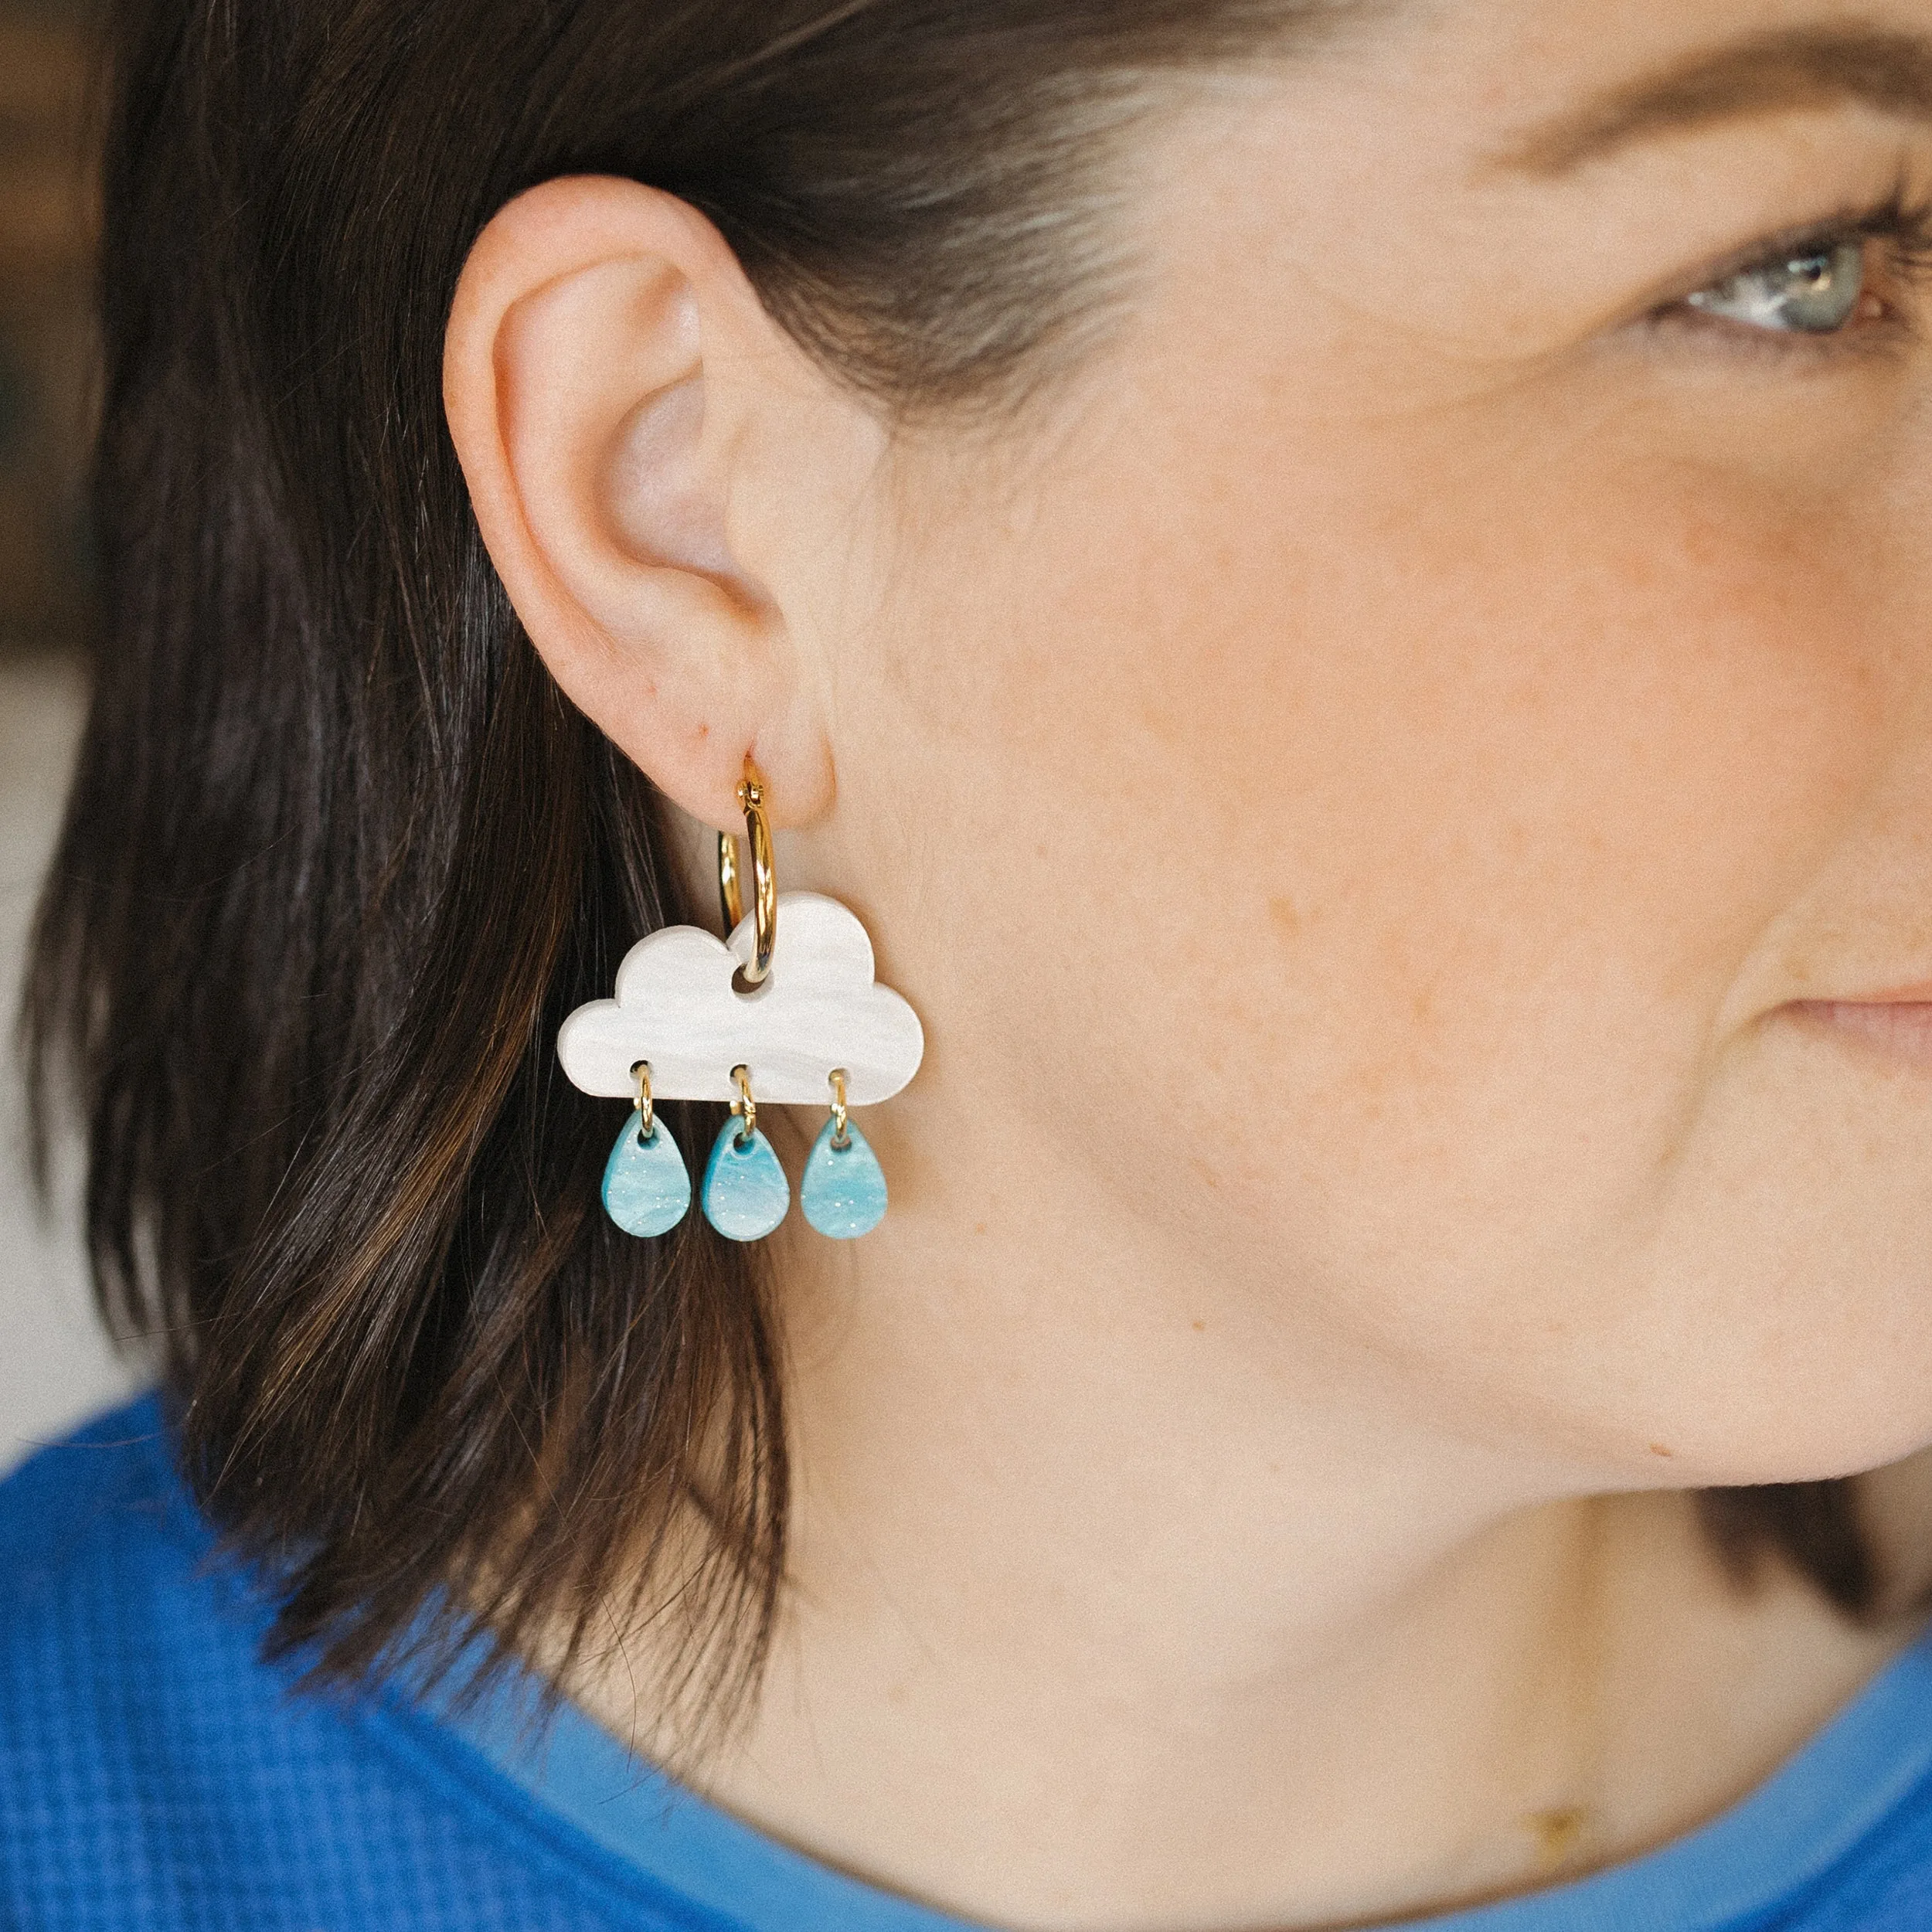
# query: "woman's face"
1382,790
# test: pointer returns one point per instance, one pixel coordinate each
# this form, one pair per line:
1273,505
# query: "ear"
613,385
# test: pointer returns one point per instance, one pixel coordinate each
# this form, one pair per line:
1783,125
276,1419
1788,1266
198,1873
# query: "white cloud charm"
820,1007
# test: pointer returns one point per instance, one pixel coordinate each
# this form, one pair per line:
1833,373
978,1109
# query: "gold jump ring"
840,1138
640,1072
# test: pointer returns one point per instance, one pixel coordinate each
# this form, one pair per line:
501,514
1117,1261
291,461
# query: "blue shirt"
155,1777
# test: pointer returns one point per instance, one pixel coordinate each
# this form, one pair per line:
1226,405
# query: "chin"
1824,1417
1785,1291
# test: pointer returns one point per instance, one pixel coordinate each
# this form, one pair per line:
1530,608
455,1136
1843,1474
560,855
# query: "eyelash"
1902,221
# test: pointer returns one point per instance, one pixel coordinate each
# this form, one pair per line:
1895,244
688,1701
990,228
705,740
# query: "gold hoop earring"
764,883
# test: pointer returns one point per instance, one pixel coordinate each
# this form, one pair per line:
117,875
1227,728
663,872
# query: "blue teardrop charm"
646,1190
746,1193
843,1188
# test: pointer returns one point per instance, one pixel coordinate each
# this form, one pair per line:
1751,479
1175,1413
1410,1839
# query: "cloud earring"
788,1009
646,1190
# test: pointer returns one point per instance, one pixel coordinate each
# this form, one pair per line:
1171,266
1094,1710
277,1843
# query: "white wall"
55,1366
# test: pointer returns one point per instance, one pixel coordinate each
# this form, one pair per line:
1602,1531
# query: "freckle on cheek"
1657,1449
1286,920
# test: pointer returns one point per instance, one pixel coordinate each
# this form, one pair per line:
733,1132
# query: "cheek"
1405,841
1442,790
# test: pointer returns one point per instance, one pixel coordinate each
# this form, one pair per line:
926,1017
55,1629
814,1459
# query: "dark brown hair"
339,858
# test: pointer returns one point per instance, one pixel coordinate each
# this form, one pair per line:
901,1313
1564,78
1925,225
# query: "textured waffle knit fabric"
155,1777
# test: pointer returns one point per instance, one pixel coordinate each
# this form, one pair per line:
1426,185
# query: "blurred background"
54,1365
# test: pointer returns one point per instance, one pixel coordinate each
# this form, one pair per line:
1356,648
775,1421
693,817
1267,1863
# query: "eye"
1814,291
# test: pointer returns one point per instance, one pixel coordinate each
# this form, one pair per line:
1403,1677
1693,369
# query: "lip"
1918,994
1899,1024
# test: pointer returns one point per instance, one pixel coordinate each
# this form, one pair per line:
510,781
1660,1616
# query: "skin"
1374,785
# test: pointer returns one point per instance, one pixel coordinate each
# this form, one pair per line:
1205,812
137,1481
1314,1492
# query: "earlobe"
581,382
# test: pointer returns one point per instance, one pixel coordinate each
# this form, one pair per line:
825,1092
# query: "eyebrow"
1785,71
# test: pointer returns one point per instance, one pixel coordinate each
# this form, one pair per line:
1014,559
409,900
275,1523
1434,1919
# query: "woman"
1341,590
